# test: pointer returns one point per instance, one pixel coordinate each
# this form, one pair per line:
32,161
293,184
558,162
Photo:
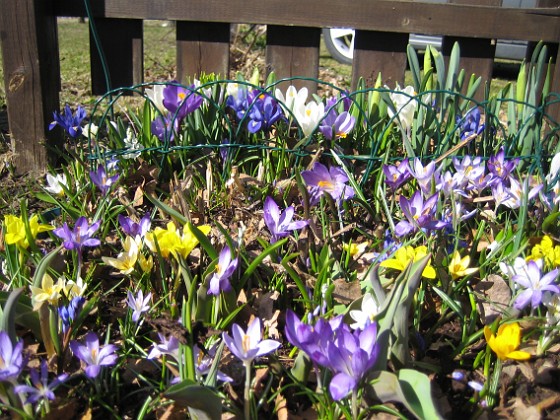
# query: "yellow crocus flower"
189,241
15,230
48,292
506,341
166,239
170,242
407,254
459,267
546,250
355,249
126,260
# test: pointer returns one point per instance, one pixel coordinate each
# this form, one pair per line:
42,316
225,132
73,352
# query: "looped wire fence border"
373,135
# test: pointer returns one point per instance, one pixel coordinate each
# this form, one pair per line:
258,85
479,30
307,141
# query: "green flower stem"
187,320
247,393
354,404
492,398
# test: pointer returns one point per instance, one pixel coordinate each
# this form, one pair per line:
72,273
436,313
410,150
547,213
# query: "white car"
340,41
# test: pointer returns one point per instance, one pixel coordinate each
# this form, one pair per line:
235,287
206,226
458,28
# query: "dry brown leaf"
493,296
522,412
281,407
346,292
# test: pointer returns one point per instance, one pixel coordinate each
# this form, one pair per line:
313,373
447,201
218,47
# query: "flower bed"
231,248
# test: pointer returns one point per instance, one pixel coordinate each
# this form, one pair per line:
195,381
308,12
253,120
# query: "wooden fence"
28,33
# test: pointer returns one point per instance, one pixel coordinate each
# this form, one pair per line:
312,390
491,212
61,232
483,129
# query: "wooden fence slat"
477,57
202,47
293,51
122,45
375,15
379,52
32,80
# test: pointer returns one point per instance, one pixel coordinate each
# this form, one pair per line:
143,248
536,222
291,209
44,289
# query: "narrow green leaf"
257,261
204,241
8,323
43,266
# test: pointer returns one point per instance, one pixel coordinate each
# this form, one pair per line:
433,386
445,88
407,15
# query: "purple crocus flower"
333,181
351,356
335,126
500,166
312,339
139,304
280,223
81,236
12,358
396,175
248,345
419,214
68,314
165,127
168,346
264,112
534,285
135,229
93,355
204,363
68,121
239,102
469,168
224,270
424,175
470,123
181,101
41,388
101,180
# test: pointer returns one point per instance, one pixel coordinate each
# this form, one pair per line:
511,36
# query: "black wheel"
340,44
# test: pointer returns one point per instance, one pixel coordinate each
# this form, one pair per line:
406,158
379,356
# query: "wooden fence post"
202,47
293,51
379,52
477,54
32,80
123,51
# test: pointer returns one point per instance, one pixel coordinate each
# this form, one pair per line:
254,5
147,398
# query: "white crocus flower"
232,89
55,184
309,116
90,129
75,288
156,96
205,91
131,144
366,314
405,105
294,98
554,169
519,267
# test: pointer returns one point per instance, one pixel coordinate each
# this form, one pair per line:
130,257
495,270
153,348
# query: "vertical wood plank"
293,52
554,109
202,47
477,57
379,52
477,54
122,45
32,80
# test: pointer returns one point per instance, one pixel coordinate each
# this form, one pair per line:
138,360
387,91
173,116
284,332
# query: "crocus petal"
519,355
341,385
267,346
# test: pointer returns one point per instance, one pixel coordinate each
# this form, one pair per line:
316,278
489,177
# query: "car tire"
340,44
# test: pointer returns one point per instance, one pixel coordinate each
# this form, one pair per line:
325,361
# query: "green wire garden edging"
373,134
